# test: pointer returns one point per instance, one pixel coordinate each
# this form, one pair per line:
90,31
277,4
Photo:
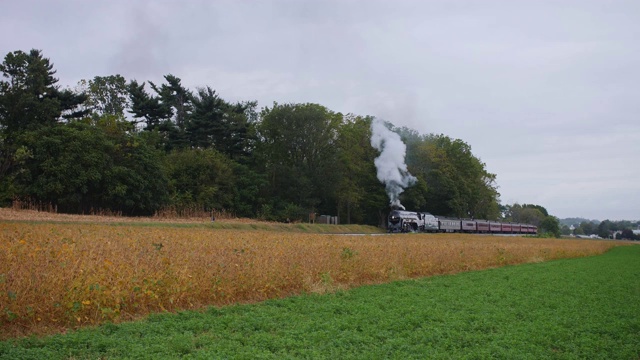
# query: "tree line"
621,230
139,147
532,214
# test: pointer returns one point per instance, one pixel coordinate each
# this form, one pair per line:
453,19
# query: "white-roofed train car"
450,225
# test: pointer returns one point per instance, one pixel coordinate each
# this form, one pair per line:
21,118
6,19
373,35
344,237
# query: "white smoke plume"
392,171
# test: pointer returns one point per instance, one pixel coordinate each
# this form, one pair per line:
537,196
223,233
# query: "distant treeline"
622,230
135,148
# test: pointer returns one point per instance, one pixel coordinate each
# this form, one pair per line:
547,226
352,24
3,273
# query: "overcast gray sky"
545,92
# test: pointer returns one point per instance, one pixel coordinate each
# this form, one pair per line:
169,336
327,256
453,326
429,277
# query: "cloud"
545,92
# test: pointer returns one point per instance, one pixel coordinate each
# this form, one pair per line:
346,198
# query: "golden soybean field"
55,276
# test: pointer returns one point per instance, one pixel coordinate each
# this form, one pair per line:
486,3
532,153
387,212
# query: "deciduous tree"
106,95
201,177
457,182
550,225
81,167
298,145
359,194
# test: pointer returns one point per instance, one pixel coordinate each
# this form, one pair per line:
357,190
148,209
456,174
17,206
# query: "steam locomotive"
410,221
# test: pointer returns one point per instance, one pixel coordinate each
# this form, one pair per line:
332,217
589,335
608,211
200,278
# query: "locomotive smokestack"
392,171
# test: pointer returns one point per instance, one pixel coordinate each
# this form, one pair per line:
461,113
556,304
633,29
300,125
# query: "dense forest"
136,148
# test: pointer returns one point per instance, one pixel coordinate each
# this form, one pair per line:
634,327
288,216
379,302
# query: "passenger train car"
411,221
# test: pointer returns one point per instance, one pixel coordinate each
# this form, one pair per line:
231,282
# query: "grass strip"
278,227
565,309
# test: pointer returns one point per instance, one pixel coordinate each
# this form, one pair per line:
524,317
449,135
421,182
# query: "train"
412,221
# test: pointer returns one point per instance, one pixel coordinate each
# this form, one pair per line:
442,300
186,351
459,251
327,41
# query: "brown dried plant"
55,276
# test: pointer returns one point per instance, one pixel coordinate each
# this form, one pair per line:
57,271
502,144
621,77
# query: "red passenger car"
469,226
482,226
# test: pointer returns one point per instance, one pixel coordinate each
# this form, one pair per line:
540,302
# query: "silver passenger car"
450,225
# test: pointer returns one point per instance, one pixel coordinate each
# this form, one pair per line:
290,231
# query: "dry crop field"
56,276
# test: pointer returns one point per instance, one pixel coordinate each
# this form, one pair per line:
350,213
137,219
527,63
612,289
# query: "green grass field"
586,308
